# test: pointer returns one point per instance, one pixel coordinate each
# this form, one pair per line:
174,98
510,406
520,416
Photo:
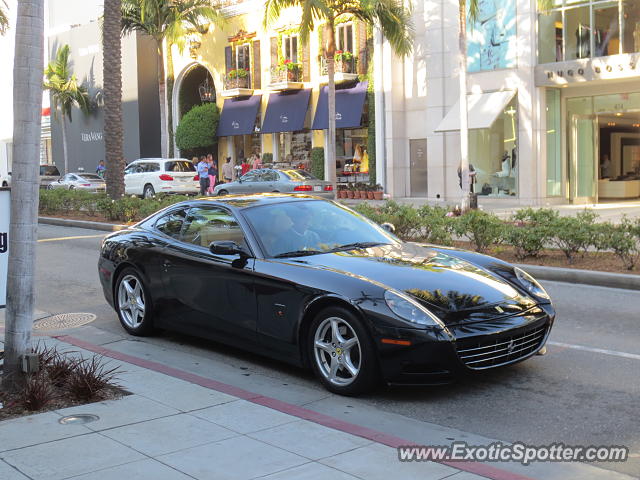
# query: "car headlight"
410,310
530,283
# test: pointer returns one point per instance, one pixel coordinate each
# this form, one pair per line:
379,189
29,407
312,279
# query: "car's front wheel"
341,352
133,303
222,193
148,191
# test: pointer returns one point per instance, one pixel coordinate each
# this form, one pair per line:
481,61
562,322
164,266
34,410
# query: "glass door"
583,174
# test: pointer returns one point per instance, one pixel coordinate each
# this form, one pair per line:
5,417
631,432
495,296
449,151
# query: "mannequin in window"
506,165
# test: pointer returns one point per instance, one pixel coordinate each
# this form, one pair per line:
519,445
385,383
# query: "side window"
204,225
152,167
250,177
171,223
270,176
131,169
72,177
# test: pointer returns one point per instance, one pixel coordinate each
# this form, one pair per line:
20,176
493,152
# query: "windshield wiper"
298,253
355,245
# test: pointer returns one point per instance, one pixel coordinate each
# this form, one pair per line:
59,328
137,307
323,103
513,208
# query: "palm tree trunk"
27,110
112,74
162,94
464,128
170,82
330,51
65,152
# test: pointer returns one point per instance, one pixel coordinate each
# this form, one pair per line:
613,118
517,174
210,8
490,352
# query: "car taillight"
166,177
328,188
196,178
86,184
303,188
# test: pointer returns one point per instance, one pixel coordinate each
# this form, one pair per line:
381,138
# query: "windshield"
311,227
298,175
91,176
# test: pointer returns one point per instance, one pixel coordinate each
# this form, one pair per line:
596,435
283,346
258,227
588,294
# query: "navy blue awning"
238,116
349,104
286,111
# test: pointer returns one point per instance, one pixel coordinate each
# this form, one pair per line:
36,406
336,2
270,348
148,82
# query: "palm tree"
4,20
389,16
112,75
66,93
474,10
166,20
27,110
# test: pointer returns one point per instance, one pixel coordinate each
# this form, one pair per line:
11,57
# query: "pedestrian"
101,169
213,175
227,171
203,172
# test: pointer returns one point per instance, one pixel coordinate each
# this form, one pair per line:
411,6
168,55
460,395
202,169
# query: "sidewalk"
184,423
173,429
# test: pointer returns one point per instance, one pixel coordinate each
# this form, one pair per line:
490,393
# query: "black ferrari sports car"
311,282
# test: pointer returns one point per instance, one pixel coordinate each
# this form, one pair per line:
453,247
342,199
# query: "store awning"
483,110
286,111
238,116
349,104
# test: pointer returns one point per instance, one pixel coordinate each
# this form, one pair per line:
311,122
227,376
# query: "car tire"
346,363
71,187
222,193
133,303
148,191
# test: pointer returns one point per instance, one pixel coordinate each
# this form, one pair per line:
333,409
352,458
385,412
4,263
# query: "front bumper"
439,359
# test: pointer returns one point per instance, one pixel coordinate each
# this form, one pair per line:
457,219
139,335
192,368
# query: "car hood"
454,289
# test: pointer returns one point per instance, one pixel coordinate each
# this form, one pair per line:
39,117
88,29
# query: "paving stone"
244,417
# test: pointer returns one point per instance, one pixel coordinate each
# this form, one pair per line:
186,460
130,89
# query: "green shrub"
317,162
530,231
437,228
574,234
196,132
622,239
267,158
482,229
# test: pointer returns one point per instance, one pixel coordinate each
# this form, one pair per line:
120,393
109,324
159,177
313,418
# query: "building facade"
553,101
79,27
271,89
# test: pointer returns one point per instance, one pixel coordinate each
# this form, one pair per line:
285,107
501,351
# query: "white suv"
148,176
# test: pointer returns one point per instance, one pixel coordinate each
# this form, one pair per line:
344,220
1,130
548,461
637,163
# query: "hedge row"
529,231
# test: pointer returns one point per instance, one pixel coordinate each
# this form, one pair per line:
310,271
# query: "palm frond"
394,20
4,19
545,5
473,11
63,86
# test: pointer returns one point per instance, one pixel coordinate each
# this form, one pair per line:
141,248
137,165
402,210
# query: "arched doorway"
194,86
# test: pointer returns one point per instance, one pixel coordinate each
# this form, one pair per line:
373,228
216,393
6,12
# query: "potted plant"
344,61
350,191
370,192
377,192
291,70
239,77
362,188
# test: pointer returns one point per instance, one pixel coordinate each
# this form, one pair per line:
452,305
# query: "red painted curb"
477,468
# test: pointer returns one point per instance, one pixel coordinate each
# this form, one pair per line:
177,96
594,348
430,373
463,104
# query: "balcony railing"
341,66
284,75
232,81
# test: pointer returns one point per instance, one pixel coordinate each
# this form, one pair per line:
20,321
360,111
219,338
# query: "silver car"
272,180
80,181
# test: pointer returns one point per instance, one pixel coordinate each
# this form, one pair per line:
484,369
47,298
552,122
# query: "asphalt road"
585,396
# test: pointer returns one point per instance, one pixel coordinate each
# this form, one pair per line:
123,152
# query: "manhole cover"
64,320
78,419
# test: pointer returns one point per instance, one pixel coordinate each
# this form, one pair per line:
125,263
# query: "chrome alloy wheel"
131,302
337,351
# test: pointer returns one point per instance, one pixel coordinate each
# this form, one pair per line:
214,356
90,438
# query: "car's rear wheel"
133,303
222,193
49,187
148,191
71,187
341,352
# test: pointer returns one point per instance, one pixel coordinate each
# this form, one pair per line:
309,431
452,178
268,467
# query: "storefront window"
351,151
493,152
575,29
554,156
295,148
631,26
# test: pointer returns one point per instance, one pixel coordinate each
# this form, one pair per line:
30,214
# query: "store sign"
588,70
5,208
91,136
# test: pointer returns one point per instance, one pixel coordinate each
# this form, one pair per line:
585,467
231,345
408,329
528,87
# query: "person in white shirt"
227,171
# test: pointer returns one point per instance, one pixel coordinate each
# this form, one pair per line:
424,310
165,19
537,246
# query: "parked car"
80,181
48,174
148,176
280,181
311,282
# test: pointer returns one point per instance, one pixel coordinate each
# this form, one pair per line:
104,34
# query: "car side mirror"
227,247
389,227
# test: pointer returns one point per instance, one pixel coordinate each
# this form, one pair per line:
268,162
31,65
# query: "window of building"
493,152
242,57
575,29
554,154
344,37
290,48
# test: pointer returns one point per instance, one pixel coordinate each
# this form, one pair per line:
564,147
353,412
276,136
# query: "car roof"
161,160
242,202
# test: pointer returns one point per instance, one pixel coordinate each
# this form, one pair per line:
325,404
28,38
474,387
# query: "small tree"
317,162
65,94
196,132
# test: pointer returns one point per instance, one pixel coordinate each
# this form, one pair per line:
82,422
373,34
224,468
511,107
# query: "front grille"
493,352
